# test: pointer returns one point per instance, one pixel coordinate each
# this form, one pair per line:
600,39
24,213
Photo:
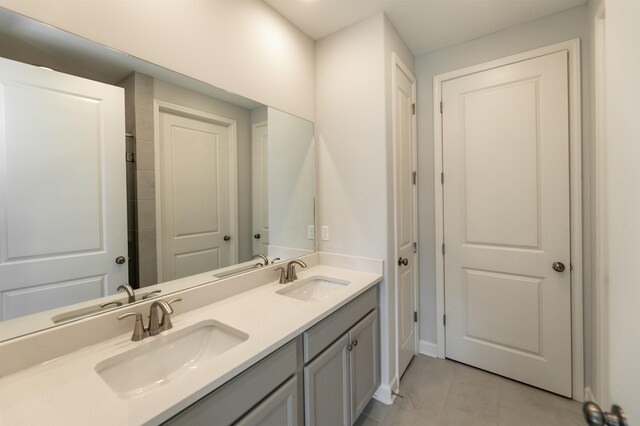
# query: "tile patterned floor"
440,392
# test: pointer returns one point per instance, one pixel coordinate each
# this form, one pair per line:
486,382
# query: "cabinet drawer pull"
355,342
349,348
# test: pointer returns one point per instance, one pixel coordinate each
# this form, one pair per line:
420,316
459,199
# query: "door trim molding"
575,171
396,63
254,126
232,126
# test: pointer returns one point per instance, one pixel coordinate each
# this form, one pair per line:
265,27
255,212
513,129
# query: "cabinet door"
326,387
364,365
278,409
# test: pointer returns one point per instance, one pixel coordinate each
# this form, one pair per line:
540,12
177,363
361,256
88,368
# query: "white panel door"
194,176
506,221
259,188
405,216
62,189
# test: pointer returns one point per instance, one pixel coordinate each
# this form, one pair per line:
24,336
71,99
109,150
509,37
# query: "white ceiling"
425,25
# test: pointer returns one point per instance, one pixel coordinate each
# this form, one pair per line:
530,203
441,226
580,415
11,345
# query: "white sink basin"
166,357
313,289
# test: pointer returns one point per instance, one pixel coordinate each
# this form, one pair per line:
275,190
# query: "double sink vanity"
242,350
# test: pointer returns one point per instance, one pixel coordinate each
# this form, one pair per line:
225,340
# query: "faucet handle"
150,294
116,303
139,332
283,276
178,299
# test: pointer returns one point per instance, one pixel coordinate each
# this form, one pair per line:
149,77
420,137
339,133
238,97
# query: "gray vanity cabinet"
268,393
278,409
326,386
340,375
364,363
340,381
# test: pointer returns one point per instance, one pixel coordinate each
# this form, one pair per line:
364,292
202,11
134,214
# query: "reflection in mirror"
204,185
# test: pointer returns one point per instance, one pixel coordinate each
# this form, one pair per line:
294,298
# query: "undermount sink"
166,357
313,289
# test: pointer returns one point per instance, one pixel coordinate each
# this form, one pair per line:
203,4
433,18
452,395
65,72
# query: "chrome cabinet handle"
558,266
355,342
120,260
403,261
349,348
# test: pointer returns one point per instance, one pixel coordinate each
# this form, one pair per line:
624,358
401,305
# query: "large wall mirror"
116,171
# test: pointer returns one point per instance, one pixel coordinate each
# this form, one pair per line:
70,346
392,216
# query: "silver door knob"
227,238
595,417
403,261
256,236
558,266
120,260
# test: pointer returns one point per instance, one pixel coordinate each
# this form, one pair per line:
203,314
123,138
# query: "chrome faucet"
289,275
132,295
261,256
157,324
127,288
291,269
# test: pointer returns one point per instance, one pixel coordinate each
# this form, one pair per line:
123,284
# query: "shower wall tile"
146,185
145,154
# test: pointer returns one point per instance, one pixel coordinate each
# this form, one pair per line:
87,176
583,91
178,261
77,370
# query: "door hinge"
443,249
441,107
444,319
415,247
442,178
413,108
130,157
415,178
415,316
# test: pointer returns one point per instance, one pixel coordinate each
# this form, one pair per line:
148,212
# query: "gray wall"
563,26
354,148
244,47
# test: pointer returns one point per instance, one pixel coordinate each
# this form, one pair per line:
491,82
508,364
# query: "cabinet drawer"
321,335
236,397
278,409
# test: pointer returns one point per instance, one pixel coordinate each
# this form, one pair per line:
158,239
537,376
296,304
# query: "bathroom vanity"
243,350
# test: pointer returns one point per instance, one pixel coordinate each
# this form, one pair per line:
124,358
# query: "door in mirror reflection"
260,188
194,192
62,192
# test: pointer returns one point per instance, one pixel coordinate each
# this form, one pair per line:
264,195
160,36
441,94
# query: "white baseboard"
588,395
385,394
428,349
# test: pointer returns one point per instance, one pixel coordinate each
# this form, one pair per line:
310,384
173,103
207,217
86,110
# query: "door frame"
396,62
575,181
254,126
599,255
232,126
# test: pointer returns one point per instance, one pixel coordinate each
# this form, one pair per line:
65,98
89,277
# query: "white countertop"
68,391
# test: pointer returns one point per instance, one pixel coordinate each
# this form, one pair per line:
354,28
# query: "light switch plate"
311,232
325,233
